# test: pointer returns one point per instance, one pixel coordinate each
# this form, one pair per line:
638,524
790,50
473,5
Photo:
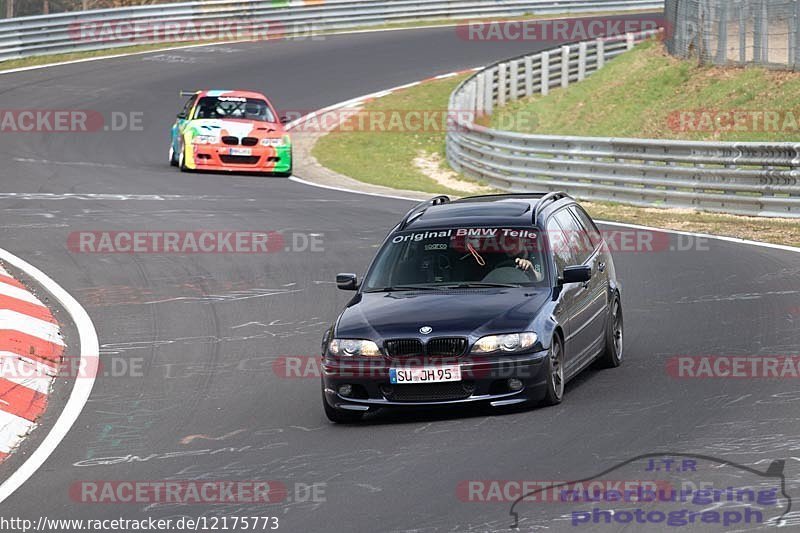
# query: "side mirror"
347,282
284,120
576,274
182,115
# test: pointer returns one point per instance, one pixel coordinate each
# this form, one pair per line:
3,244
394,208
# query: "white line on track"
90,348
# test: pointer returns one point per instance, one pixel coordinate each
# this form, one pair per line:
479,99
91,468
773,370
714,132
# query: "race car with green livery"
234,131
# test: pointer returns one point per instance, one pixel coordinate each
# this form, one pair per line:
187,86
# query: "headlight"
283,141
205,139
514,342
353,347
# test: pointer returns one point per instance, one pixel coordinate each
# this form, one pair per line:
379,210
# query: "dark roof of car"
509,210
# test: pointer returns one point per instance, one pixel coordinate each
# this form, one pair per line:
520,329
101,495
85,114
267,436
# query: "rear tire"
555,373
612,355
340,417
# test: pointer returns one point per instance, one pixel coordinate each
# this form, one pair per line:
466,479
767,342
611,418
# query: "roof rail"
420,208
549,197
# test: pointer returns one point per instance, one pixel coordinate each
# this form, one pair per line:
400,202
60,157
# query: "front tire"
340,417
182,159
172,161
612,355
555,373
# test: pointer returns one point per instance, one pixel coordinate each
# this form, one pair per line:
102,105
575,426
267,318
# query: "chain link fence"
736,32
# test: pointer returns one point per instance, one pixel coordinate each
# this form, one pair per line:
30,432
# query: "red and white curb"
30,352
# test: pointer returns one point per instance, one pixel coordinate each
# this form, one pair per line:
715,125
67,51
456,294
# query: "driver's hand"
524,264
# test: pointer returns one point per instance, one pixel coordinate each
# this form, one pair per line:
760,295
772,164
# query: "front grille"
446,347
233,141
249,141
403,347
239,159
436,347
429,392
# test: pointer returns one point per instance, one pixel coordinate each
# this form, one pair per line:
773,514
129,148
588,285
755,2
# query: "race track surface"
208,327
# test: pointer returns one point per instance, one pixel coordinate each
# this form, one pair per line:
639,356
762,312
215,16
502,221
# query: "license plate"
241,151
425,374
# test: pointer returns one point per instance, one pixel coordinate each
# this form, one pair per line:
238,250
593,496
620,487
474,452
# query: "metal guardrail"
111,28
742,178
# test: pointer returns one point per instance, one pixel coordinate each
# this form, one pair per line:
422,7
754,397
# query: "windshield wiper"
482,285
399,288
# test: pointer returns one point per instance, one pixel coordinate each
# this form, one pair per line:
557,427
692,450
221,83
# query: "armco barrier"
63,32
742,178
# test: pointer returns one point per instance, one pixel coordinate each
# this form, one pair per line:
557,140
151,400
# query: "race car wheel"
172,160
340,417
612,355
182,159
555,373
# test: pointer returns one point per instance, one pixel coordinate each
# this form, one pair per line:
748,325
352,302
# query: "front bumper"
484,380
219,157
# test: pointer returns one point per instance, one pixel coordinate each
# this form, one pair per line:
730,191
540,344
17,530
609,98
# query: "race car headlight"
510,343
353,347
205,139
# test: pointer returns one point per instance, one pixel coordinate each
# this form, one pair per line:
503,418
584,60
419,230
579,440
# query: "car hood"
235,128
474,312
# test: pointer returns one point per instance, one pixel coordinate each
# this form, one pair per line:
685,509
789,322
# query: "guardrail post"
528,76
742,34
630,39
514,82
501,84
545,73
480,95
581,61
488,92
601,53
565,67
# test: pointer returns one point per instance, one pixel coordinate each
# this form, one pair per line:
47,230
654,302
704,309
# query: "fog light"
515,384
345,390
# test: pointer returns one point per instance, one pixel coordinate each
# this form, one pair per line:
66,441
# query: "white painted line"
90,348
13,429
41,329
40,384
13,366
18,294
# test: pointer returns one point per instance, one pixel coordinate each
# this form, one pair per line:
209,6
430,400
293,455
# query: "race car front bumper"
256,159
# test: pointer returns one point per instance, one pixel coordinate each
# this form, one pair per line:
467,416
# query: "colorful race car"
236,131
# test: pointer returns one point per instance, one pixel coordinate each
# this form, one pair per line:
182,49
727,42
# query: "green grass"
386,157
642,92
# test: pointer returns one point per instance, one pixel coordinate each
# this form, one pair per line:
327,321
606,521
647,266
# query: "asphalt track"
208,327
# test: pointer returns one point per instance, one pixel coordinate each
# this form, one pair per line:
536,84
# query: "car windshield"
234,107
459,258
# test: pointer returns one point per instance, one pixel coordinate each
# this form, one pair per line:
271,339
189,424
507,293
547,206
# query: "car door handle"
601,267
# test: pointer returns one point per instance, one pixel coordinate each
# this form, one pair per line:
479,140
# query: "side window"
188,107
578,241
588,225
559,245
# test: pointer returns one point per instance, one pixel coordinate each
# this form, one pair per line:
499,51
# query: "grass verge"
648,93
388,159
